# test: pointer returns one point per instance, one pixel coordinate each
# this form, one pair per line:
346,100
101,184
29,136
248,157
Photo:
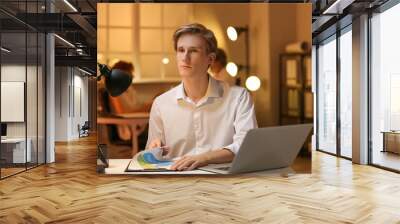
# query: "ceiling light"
84,71
337,7
70,5
5,50
65,41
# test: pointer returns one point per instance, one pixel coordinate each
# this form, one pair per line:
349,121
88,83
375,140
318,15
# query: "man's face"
191,55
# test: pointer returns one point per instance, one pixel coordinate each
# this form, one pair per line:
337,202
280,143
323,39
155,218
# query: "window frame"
380,9
347,27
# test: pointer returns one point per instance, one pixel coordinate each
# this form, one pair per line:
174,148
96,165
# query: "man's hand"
155,143
214,156
190,162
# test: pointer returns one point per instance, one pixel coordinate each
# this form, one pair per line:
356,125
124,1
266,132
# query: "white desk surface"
13,140
118,166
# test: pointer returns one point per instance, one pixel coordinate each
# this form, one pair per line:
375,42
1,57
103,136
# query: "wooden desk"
13,150
391,141
137,122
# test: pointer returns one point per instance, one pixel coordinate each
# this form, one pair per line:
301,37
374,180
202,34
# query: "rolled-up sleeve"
245,120
156,129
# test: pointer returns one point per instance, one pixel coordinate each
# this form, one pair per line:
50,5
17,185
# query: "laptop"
265,149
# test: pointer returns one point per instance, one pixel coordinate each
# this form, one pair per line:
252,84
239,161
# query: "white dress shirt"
219,120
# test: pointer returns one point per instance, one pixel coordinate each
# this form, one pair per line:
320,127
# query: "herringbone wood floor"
70,191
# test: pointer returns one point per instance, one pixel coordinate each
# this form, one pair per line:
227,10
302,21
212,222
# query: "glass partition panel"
23,87
327,96
41,157
385,89
31,98
14,153
346,94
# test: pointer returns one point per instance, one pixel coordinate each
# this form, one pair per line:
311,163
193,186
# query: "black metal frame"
316,98
45,91
0,93
338,98
369,90
26,90
37,93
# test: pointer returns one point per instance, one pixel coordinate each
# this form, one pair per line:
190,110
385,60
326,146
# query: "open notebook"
150,160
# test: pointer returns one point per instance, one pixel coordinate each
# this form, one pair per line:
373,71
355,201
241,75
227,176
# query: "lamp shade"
117,80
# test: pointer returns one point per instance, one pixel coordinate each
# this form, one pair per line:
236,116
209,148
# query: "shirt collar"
214,89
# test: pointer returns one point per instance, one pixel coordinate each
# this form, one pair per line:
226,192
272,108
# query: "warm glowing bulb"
165,61
232,69
232,34
253,83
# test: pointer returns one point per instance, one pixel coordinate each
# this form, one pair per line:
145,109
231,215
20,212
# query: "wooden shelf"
295,88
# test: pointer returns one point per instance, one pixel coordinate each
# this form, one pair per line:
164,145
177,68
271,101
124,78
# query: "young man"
202,120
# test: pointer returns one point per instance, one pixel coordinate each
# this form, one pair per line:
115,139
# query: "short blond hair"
197,29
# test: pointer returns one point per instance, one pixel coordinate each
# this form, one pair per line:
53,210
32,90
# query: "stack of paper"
149,160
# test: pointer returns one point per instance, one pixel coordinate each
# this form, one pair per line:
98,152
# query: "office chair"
84,130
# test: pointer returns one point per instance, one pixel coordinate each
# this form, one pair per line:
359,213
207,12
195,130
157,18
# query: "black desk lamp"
117,80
